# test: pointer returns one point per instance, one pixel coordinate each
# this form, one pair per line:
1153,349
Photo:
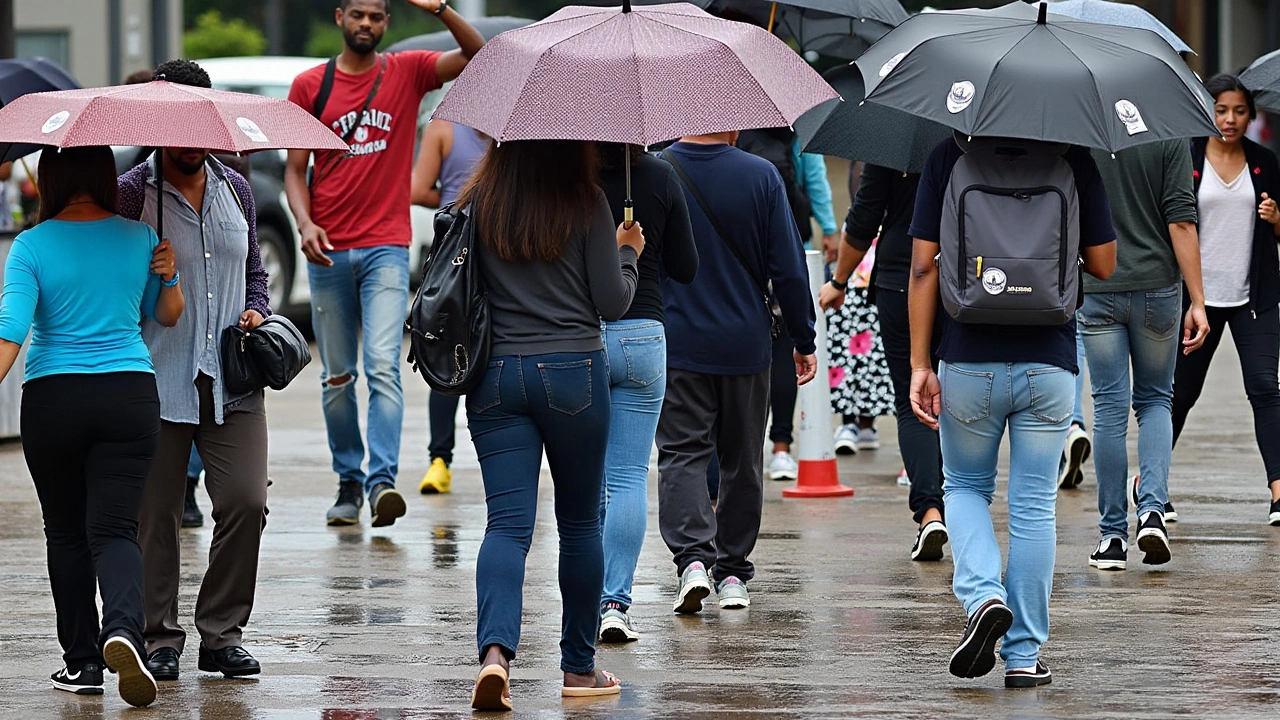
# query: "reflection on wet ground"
365,624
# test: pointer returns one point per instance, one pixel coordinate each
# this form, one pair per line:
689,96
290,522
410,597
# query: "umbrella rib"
1093,78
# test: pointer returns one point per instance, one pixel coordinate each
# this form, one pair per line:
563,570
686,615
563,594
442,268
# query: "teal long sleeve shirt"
811,170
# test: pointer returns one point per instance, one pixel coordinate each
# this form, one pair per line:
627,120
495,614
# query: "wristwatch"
171,283
841,286
440,10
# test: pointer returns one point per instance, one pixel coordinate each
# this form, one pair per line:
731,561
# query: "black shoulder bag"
775,318
322,100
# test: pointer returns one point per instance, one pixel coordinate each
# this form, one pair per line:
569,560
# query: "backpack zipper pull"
979,273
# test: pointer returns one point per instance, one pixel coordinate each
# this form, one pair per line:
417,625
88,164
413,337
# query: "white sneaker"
847,440
783,467
868,439
904,480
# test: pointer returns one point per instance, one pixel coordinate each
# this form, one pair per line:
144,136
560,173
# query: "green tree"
214,36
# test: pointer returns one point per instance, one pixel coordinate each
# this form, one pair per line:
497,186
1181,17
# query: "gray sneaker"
615,627
733,594
783,467
386,504
346,510
695,586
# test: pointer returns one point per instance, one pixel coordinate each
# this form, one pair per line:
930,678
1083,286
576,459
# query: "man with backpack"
1000,230
353,215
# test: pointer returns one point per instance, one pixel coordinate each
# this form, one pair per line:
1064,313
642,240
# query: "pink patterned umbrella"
637,76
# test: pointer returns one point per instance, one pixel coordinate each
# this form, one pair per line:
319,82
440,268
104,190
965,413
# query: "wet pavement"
363,624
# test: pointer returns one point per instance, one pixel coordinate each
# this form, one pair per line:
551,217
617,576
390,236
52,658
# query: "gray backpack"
1010,235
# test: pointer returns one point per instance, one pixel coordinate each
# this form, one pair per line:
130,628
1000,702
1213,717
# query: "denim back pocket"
1164,309
1053,394
486,395
646,359
967,395
568,385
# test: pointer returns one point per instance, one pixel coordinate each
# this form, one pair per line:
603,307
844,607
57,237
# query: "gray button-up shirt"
212,246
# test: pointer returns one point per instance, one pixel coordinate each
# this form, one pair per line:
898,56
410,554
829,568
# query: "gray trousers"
703,414
235,461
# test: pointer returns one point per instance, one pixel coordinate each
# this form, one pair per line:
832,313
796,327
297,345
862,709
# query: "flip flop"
606,684
491,690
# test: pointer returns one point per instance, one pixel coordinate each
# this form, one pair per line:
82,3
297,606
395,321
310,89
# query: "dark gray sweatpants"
703,414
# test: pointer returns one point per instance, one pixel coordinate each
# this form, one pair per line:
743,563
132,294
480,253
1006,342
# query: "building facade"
99,41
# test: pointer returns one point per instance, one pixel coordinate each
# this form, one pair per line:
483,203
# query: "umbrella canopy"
444,41
839,28
1263,78
162,114
23,76
1118,13
640,77
1018,72
872,133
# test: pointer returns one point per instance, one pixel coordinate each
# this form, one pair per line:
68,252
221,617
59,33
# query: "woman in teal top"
80,283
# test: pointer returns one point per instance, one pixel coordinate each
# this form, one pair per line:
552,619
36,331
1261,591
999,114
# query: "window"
52,44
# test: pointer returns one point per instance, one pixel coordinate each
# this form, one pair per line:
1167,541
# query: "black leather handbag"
270,355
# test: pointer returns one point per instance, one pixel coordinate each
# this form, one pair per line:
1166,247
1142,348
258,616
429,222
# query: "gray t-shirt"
553,307
1150,188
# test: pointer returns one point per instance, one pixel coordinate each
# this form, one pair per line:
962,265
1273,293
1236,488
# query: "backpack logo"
1129,115
993,281
888,67
961,96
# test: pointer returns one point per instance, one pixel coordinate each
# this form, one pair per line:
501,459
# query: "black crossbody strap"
346,136
715,223
326,87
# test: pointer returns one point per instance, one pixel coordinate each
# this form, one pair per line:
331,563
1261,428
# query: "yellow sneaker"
439,478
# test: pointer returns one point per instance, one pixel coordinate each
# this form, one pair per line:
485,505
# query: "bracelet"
841,286
444,5
171,283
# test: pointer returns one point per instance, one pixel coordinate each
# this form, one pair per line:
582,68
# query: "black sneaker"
136,685
976,655
1170,515
1112,554
1153,540
191,515
346,509
929,542
1275,513
1028,677
87,681
385,504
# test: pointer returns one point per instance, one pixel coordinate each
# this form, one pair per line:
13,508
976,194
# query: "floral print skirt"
860,384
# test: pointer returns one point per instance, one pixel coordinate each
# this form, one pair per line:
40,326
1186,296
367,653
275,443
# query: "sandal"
492,691
606,684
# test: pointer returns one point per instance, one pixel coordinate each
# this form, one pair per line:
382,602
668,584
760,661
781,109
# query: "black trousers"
921,454
783,390
1257,342
89,441
442,420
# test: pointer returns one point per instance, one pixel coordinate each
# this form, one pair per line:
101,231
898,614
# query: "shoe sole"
431,490
389,508
783,475
211,668
1077,455
1171,517
868,446
1026,681
930,549
342,521
77,689
976,655
1274,519
1108,564
490,691
735,603
691,601
617,633
1155,547
846,449
137,687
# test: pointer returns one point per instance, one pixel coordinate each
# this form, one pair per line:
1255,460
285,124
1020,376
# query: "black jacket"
1264,268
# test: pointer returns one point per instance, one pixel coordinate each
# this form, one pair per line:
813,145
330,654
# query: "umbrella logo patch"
960,97
251,130
888,67
1129,115
55,122
994,281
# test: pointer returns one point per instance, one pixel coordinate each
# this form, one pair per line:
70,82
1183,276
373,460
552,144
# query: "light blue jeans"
1077,414
1035,401
1117,328
365,294
637,360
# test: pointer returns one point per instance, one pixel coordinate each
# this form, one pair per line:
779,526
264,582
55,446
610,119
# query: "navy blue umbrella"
22,76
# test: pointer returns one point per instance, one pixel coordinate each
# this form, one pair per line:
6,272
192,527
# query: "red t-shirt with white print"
362,200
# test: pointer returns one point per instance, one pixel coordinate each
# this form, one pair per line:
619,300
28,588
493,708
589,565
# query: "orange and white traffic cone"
819,475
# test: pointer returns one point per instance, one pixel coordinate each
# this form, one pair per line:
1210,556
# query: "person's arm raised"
451,64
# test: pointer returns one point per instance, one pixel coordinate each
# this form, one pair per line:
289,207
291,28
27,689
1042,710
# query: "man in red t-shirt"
353,216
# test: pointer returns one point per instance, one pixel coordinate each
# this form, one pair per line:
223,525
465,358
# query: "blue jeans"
525,405
1117,328
1077,414
365,294
1035,401
637,356
195,465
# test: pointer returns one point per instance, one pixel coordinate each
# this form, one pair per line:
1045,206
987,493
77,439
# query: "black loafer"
232,661
163,663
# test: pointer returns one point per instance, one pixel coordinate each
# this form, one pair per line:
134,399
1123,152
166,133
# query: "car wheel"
276,261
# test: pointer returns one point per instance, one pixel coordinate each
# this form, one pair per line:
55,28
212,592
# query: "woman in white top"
1236,183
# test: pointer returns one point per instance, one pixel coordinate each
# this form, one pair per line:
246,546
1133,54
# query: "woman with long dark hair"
553,265
80,282
1237,182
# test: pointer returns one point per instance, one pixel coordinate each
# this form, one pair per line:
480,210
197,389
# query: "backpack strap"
326,87
232,187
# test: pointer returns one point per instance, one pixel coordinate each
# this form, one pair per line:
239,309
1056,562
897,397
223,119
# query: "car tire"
277,260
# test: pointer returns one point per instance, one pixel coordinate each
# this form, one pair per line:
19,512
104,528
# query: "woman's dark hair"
65,173
1226,82
532,196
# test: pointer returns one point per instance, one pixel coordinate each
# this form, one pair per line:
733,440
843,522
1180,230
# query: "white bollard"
819,474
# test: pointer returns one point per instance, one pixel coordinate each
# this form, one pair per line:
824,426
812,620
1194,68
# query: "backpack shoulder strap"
232,187
326,87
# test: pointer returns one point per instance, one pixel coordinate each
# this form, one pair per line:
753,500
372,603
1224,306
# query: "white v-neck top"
1227,214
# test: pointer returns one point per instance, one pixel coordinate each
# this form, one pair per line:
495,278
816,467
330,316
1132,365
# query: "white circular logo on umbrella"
1129,115
251,130
994,281
888,67
960,97
55,122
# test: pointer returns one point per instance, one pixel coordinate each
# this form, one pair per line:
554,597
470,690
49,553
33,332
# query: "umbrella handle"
628,207
773,14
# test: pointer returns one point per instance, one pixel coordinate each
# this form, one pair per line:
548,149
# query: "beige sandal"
606,684
492,691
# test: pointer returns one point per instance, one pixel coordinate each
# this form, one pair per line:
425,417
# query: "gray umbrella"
1017,72
839,28
1118,13
868,132
443,41
1263,78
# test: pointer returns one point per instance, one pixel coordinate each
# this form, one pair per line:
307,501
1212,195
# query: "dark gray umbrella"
443,41
1017,72
868,132
839,28
1263,78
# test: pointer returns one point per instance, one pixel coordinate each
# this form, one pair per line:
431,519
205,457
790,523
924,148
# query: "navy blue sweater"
719,323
